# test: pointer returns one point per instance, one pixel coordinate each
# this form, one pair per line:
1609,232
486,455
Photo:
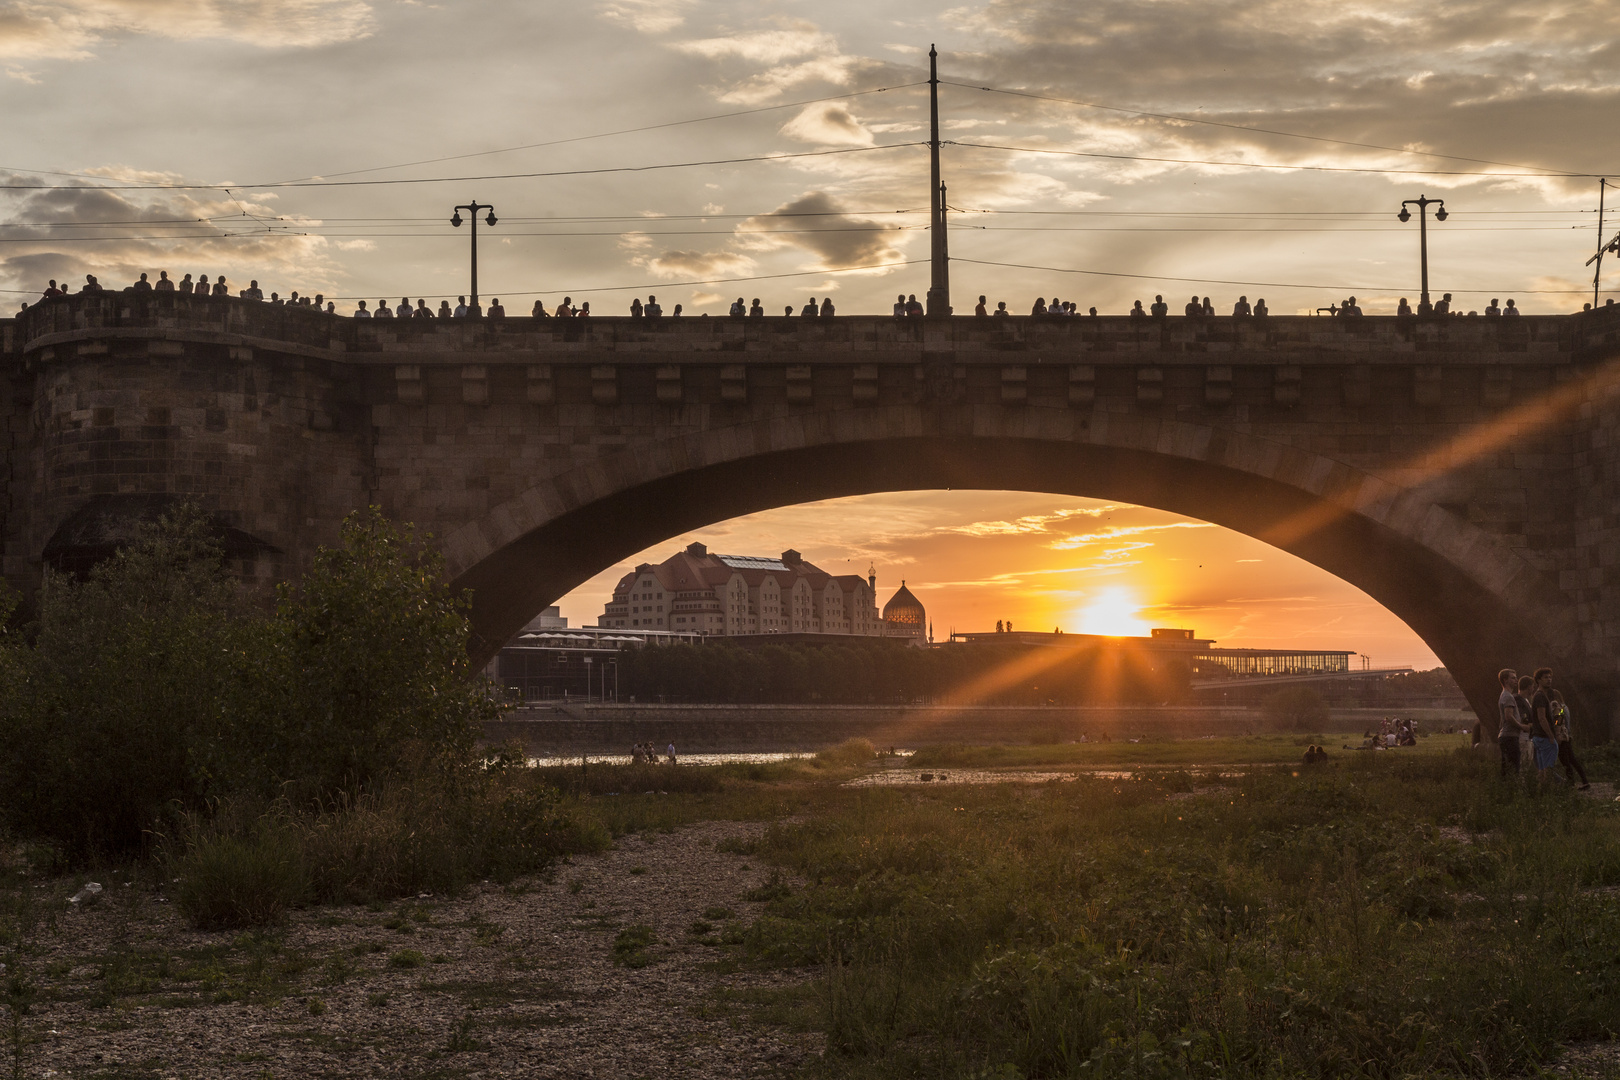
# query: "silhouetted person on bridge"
163,284
404,310
980,311
653,308
142,285
1511,308
185,285
1136,311
1260,309
253,292
51,291
756,310
1241,309
539,310
1001,310
220,288
361,312
1492,311
1160,309
461,307
914,309
1193,309
900,306
1403,309
423,311
383,310
810,310
496,311
635,307
1209,309
827,309
738,310
1038,308
1444,306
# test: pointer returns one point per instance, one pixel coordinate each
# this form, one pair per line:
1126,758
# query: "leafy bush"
366,671
152,688
121,710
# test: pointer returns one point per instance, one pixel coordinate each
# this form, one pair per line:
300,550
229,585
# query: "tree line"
888,672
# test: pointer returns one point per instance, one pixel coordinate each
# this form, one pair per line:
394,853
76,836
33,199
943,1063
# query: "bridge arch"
1475,601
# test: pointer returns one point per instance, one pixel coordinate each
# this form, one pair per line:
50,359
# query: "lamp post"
1423,203
472,208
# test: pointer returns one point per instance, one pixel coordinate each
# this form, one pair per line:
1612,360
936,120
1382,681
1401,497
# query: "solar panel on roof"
751,562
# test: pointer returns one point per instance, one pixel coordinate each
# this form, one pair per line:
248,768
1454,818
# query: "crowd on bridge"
906,307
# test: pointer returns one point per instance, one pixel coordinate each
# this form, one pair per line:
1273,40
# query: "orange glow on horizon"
1113,612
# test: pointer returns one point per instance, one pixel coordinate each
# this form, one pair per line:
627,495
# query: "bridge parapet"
79,319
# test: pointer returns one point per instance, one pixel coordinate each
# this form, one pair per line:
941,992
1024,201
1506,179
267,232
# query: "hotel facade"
694,591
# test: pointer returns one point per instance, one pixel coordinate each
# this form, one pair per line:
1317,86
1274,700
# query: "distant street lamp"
1423,202
473,208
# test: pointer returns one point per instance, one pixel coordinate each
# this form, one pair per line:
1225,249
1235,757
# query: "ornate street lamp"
1423,202
473,208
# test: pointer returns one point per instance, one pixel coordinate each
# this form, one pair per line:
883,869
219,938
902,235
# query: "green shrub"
239,879
117,714
848,752
245,868
152,690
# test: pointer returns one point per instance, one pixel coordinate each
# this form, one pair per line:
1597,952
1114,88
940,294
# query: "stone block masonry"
1461,471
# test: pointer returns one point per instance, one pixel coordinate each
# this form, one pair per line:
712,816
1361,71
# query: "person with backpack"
1566,745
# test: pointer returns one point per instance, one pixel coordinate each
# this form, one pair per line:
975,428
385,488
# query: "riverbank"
561,730
790,919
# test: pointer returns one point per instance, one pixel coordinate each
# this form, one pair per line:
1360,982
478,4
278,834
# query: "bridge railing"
152,314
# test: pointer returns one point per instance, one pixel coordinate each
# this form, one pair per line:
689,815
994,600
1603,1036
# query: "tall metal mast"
1597,275
939,286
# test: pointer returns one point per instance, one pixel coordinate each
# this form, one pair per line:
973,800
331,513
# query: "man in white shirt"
361,312
404,310
1511,723
461,307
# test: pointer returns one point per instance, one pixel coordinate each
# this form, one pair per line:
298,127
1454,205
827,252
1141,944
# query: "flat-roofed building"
697,592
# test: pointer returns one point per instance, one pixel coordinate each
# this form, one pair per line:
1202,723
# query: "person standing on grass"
672,753
1543,728
1526,690
1507,734
1566,745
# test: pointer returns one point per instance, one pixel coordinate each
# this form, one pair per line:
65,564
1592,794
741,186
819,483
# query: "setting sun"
1113,612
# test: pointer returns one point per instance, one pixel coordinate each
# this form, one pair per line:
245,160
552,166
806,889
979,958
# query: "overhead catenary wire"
621,131
1185,119
1503,290
1261,165
284,184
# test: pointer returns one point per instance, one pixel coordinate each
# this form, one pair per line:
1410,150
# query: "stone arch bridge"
1463,472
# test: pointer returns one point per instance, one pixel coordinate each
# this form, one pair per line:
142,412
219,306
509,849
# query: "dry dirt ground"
523,981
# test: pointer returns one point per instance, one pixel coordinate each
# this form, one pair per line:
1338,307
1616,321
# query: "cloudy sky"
1111,150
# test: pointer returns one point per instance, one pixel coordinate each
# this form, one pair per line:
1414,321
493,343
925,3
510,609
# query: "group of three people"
1529,705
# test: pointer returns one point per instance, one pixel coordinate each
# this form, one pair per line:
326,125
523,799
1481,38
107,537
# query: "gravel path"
508,982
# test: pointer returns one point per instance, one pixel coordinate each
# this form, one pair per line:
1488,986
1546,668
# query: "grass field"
1231,750
1385,915
1223,912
